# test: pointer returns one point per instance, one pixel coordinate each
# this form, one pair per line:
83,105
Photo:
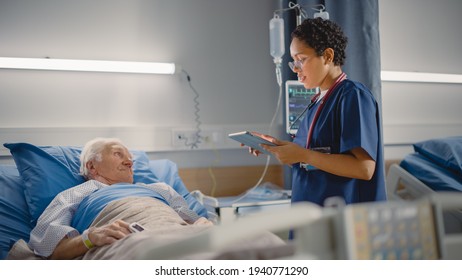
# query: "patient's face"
115,165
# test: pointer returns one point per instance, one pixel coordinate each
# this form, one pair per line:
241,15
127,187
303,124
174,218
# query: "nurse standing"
337,150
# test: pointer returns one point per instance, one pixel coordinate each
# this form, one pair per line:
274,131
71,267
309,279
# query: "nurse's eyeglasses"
297,64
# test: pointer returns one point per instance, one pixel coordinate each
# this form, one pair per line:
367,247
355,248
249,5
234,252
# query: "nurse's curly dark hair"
321,34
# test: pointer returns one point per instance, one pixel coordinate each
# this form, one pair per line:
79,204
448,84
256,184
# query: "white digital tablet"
251,140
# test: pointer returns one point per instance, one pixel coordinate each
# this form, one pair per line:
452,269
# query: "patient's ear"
91,168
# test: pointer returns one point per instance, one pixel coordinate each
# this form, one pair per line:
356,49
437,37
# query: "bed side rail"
402,185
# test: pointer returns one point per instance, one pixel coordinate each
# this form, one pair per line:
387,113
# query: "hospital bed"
436,165
40,172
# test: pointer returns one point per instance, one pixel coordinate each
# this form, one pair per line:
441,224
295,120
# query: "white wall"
224,46
420,36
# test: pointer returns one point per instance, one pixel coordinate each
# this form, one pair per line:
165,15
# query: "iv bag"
276,27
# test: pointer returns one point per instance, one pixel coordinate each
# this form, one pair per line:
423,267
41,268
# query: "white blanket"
163,225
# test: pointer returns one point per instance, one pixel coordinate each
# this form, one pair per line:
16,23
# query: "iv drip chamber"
276,28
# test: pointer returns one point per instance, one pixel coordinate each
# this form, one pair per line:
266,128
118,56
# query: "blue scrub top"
350,119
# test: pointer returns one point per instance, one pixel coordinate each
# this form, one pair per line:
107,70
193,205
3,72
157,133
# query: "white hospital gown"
54,223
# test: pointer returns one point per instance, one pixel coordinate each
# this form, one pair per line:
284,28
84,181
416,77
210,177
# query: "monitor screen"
297,99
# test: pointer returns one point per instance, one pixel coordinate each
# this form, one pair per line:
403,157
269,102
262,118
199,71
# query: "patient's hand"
203,221
109,233
69,248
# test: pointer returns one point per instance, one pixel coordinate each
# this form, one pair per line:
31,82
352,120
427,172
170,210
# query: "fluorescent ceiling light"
87,65
397,76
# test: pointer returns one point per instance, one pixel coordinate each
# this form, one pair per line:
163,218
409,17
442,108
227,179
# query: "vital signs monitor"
297,99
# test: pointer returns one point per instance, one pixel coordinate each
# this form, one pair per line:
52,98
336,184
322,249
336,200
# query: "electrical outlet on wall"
183,137
187,138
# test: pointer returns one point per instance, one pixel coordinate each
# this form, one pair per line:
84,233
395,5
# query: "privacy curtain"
360,22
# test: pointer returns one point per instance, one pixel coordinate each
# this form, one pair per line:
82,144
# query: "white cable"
268,157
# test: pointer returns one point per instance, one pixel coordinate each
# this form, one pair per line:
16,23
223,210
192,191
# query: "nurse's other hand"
253,151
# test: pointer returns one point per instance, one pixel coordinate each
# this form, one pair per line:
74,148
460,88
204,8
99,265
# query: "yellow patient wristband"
86,241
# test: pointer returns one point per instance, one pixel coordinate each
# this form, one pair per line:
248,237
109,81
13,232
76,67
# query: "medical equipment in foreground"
375,230
385,230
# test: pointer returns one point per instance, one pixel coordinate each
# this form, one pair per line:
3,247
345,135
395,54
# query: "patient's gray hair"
93,151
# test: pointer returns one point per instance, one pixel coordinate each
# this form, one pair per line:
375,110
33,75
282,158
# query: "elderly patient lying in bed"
102,207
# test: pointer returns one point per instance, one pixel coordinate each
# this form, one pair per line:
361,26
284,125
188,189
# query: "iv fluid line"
276,28
268,157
